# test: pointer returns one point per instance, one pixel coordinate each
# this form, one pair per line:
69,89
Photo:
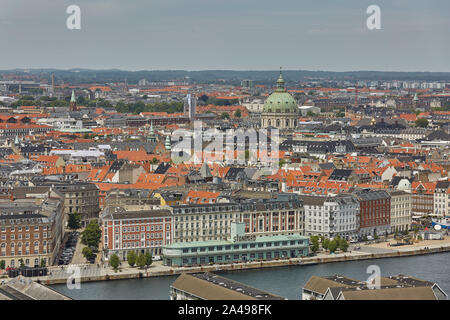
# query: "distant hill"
227,76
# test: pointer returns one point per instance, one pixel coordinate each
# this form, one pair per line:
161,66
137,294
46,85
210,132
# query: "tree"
325,243
114,261
140,261
2,264
74,221
343,245
148,259
225,115
131,258
91,235
315,243
21,264
87,253
237,113
422,123
333,245
43,264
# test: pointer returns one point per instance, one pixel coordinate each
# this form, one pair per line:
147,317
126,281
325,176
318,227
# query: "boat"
444,223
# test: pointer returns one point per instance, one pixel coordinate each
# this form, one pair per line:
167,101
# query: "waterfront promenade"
368,251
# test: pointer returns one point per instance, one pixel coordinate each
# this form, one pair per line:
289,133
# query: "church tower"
73,102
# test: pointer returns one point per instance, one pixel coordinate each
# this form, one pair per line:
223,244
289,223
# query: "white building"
331,216
401,216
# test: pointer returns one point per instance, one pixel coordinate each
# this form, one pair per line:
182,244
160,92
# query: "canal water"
284,281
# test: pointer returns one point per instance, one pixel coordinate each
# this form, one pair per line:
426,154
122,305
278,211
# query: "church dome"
280,101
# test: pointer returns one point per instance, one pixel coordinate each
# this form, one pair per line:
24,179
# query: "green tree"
333,245
225,115
315,243
343,245
148,259
114,261
422,123
91,235
21,264
140,261
74,221
43,264
2,264
131,258
326,243
237,113
87,252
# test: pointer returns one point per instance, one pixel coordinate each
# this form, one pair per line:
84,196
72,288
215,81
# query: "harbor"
89,273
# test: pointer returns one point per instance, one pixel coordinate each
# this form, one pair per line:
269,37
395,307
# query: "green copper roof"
72,99
280,101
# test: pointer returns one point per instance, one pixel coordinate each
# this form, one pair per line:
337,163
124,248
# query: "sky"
329,35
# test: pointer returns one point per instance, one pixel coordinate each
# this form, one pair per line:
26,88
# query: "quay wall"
354,256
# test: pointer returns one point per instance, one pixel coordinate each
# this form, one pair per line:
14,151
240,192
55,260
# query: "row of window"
246,246
27,236
26,228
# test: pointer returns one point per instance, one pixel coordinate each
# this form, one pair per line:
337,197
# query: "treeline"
138,107
204,99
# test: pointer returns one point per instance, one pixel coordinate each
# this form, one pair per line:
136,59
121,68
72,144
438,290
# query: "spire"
72,99
280,83
168,143
151,135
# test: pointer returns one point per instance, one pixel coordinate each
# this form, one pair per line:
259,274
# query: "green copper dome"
280,101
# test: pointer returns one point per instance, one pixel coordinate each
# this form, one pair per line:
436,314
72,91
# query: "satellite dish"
437,227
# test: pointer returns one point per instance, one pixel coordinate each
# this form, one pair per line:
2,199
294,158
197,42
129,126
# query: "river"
284,281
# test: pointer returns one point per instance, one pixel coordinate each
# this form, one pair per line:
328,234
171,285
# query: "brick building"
375,211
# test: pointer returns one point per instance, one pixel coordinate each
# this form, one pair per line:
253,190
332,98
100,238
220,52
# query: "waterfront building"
422,198
209,286
400,287
139,231
331,216
240,247
441,199
203,222
375,211
401,216
31,231
280,109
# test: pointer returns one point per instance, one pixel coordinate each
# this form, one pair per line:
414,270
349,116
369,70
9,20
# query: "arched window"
278,122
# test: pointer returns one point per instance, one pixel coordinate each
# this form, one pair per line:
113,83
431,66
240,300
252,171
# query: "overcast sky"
226,34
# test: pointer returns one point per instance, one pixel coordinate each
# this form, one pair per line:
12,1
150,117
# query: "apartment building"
375,211
31,231
401,216
441,199
139,231
202,222
422,198
331,216
81,198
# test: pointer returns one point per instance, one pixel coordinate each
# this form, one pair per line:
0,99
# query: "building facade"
30,233
375,211
332,216
401,216
139,231
240,247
